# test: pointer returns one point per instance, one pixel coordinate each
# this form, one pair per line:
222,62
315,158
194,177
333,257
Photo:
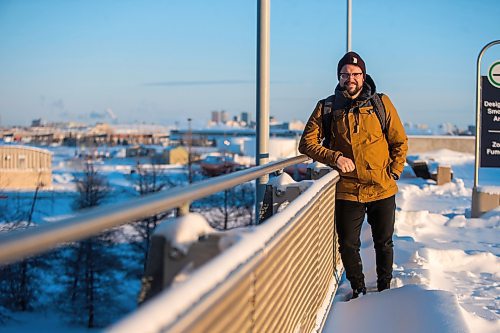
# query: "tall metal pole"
478,111
349,20
262,150
190,144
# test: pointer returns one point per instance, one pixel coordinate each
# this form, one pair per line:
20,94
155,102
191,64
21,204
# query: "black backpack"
326,119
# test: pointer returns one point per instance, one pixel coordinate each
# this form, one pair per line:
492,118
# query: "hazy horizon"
163,62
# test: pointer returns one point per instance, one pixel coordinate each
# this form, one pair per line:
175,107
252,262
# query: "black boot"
383,285
358,291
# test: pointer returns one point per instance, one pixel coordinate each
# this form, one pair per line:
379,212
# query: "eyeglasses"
345,76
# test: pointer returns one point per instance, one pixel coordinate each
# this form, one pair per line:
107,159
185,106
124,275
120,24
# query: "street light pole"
262,152
349,20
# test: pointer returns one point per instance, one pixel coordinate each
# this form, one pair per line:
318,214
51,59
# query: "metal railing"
18,244
280,276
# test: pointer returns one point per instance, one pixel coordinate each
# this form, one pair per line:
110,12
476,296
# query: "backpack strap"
379,108
326,119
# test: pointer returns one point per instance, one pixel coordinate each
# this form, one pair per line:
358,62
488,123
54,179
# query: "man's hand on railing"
345,164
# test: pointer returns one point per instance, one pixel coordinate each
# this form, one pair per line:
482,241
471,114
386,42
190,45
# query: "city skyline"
162,62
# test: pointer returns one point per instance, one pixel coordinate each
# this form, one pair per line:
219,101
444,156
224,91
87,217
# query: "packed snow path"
446,269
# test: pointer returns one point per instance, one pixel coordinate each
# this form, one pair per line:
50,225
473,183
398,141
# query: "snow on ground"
405,311
446,265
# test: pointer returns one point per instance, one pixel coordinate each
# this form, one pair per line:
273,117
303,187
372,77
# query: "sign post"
487,130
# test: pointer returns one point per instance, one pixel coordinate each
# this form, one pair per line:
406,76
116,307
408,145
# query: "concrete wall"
25,180
420,143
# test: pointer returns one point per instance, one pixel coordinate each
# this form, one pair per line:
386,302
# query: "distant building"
216,117
73,134
24,167
172,155
140,151
37,122
224,116
207,137
294,125
245,116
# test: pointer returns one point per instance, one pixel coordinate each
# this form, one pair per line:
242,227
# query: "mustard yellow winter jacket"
358,135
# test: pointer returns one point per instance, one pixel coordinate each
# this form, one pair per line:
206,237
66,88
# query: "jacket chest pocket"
370,123
340,123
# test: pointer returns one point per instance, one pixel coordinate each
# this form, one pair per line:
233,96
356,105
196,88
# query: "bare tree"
91,265
230,208
92,188
149,179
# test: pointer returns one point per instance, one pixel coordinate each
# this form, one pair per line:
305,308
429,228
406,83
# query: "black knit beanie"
351,58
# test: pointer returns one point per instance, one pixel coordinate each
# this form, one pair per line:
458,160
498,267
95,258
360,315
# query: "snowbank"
409,309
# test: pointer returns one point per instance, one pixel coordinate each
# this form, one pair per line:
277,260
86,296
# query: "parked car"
215,165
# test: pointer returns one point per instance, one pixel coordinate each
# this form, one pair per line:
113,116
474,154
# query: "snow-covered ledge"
181,232
316,170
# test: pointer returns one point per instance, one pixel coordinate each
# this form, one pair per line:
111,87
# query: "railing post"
183,209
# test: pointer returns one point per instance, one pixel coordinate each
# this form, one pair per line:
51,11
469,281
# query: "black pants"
349,216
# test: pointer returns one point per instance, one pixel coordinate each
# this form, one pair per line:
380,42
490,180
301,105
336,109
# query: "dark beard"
357,90
346,92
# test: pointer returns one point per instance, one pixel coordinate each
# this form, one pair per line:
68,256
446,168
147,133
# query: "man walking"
358,132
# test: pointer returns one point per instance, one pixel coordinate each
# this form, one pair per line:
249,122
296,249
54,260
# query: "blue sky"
165,61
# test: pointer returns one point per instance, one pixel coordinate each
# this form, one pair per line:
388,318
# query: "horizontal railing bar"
19,244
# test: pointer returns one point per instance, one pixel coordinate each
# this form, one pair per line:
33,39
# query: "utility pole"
349,25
